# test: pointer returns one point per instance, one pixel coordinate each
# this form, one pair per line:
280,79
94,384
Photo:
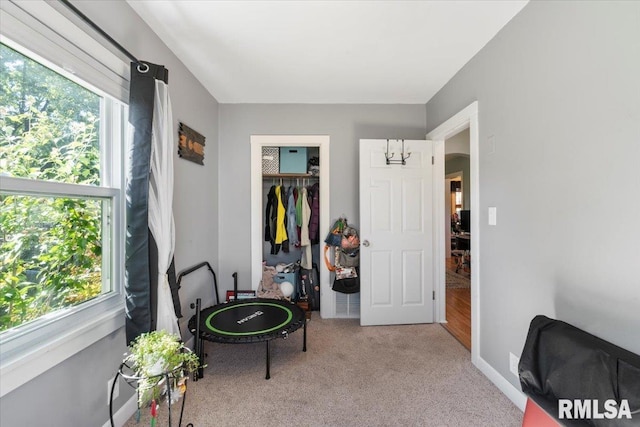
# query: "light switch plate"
493,215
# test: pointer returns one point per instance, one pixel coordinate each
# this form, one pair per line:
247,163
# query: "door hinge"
434,295
433,160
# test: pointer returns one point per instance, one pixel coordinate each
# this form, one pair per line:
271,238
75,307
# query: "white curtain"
161,203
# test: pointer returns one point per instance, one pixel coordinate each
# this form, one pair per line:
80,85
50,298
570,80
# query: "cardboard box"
241,295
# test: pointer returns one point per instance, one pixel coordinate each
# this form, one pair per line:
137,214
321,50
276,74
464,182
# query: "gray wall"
345,124
558,89
74,393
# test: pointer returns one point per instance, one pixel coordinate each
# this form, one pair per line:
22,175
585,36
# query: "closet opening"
280,168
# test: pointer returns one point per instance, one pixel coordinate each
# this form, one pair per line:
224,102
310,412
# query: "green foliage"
50,247
154,354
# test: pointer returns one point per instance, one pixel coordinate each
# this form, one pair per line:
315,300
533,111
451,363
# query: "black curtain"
141,253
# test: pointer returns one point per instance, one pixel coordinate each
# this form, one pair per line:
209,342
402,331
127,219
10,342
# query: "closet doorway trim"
327,303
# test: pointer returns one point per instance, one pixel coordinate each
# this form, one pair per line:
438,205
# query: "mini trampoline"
244,321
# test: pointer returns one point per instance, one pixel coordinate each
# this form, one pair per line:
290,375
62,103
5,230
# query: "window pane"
49,125
50,255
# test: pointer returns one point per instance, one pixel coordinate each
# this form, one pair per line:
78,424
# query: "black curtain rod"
142,67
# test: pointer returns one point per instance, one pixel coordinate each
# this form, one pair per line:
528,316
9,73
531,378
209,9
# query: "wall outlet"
513,363
116,391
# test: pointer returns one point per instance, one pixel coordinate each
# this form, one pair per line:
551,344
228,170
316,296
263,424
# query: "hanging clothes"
292,228
306,260
314,221
299,208
298,211
281,229
270,216
285,203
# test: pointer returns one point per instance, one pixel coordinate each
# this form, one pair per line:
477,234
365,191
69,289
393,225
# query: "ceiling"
387,52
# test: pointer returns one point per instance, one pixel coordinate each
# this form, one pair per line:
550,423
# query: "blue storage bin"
293,159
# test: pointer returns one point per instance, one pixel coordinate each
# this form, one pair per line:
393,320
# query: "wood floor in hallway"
458,311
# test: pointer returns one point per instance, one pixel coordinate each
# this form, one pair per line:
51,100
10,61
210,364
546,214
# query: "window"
52,243
61,201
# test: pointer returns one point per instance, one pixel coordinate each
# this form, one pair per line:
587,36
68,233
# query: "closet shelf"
289,175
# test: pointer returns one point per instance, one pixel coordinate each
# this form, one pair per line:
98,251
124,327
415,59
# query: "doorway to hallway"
457,235
467,118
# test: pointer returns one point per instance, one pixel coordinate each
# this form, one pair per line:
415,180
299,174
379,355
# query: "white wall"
74,393
558,92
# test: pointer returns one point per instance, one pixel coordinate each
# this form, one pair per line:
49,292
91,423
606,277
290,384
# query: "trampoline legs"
268,362
199,344
304,339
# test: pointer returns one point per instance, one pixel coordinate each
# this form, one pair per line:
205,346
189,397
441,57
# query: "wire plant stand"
129,376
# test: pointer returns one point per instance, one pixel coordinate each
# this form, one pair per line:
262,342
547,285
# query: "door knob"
365,243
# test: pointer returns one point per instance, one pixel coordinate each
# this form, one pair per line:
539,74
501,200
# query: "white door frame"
327,304
467,118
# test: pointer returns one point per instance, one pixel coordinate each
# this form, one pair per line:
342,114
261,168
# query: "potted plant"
156,358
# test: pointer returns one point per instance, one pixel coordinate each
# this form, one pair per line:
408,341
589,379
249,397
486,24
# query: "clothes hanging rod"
142,67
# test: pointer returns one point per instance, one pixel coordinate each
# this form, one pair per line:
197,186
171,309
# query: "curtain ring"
143,68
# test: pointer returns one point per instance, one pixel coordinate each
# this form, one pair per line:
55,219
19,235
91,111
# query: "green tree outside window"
50,247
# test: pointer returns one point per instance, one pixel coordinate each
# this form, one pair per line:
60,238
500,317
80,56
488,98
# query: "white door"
396,232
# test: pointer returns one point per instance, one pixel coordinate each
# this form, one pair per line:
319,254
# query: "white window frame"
50,38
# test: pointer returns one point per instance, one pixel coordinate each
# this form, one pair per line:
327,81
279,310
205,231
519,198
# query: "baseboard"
125,412
516,396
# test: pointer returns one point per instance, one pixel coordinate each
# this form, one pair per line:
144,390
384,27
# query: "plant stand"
130,378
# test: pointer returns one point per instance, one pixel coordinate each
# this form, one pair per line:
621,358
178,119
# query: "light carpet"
406,375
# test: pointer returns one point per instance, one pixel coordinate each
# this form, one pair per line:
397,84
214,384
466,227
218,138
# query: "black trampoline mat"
251,319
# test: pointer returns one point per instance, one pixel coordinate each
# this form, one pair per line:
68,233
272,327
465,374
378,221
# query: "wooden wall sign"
190,144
